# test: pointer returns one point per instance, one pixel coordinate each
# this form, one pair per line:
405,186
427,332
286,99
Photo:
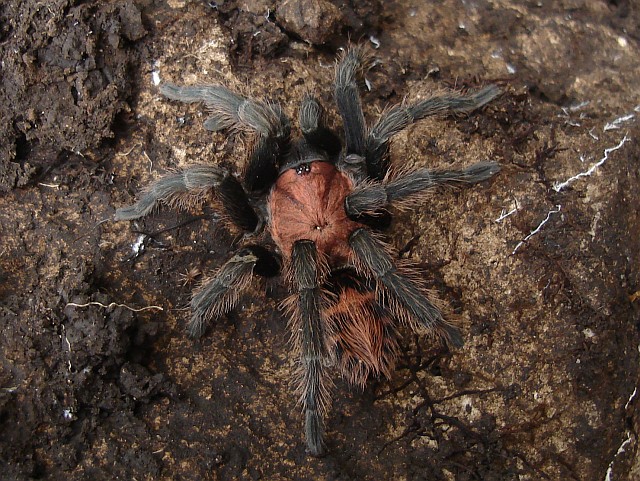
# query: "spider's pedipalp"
311,338
353,164
372,255
313,128
400,117
353,64
220,293
372,197
182,188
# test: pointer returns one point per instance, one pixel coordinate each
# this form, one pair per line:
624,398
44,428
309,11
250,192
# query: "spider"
311,208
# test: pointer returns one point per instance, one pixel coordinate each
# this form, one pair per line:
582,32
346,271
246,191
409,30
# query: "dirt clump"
66,78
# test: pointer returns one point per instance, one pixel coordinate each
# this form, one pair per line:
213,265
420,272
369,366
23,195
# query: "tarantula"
308,207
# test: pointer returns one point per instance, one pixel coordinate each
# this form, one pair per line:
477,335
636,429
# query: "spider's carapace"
307,202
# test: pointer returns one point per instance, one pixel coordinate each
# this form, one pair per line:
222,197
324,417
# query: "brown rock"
257,7
315,21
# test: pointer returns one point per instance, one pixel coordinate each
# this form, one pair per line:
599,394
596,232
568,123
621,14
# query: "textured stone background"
540,264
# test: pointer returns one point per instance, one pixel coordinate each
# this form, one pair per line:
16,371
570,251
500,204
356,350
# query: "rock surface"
541,265
314,21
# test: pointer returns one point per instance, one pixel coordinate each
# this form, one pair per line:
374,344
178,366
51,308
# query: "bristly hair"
218,294
364,336
311,205
291,306
400,287
353,64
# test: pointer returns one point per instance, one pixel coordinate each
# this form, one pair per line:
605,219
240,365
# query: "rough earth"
540,265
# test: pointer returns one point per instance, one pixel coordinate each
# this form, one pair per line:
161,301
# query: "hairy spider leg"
236,204
410,188
185,188
179,189
371,255
352,65
230,110
311,120
261,169
399,117
220,293
311,340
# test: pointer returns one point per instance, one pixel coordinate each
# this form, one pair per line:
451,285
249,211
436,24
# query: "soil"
541,265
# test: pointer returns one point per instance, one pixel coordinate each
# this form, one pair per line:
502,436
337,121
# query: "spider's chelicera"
309,207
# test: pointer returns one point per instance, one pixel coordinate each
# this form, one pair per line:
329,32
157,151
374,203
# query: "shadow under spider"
150,238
